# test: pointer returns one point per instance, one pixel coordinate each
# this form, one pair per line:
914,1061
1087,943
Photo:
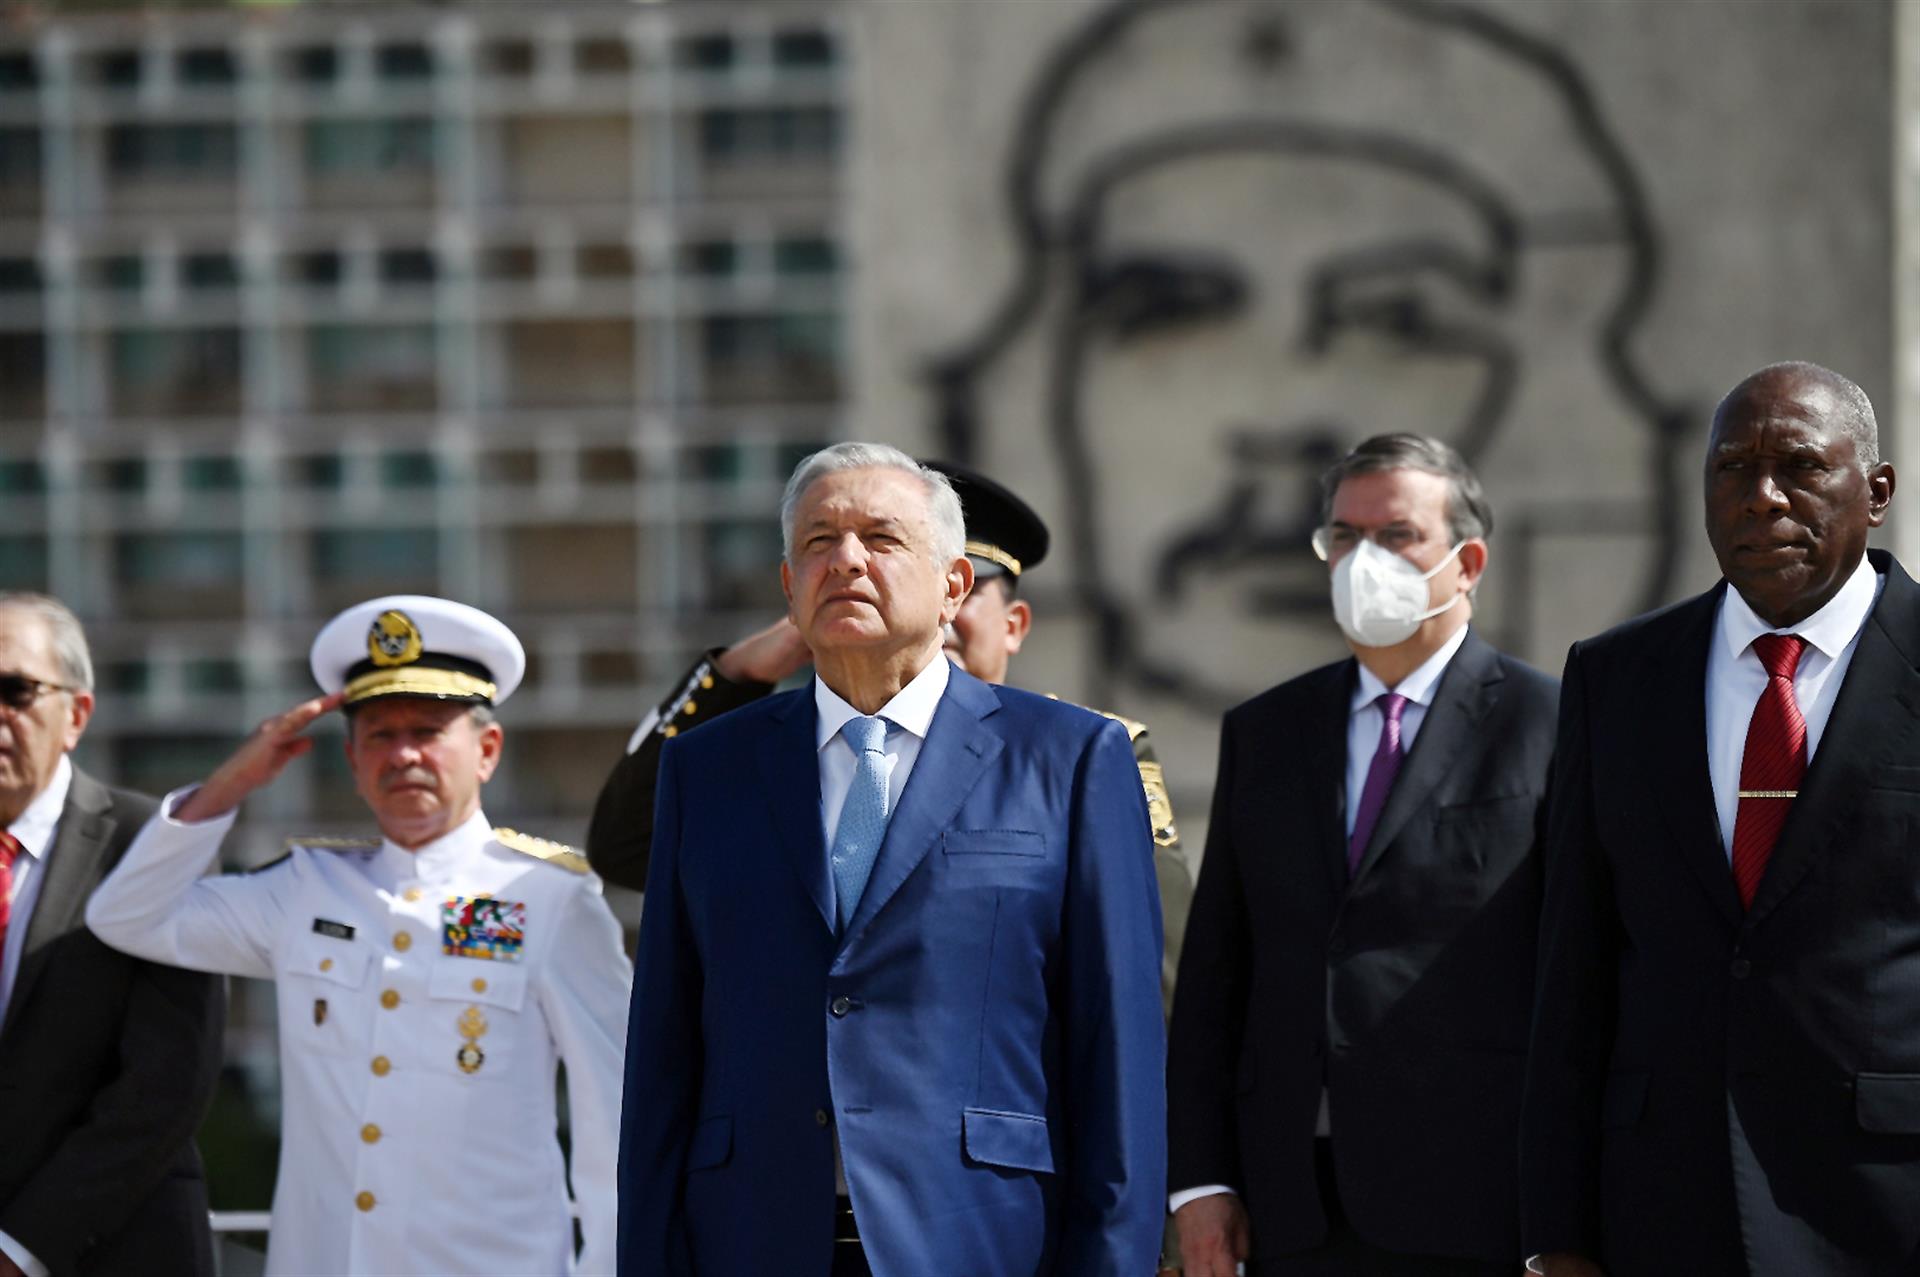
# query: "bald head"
1842,404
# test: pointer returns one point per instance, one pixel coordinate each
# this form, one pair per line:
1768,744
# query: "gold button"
370,1133
326,964
390,999
689,709
381,1066
706,681
669,730
413,893
402,942
479,984
364,1200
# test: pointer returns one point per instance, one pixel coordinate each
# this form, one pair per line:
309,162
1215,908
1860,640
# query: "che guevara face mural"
1250,233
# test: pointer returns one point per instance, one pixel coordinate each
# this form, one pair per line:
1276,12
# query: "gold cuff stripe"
416,681
1769,793
994,554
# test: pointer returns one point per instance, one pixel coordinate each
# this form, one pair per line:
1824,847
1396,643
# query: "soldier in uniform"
1005,537
430,979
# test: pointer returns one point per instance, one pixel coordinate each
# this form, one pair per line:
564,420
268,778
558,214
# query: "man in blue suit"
900,947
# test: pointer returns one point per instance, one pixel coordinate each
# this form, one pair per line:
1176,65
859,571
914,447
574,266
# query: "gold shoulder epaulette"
1135,728
557,854
321,843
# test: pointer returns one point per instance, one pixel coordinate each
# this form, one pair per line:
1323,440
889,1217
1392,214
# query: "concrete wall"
1553,232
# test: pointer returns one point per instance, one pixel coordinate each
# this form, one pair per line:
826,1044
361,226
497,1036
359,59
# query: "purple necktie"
1380,774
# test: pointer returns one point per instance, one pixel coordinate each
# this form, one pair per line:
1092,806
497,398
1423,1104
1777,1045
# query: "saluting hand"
266,753
765,656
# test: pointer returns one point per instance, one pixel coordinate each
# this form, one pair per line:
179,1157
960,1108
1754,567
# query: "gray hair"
1854,419
68,640
944,516
1468,514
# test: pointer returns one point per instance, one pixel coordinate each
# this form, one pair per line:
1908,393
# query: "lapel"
73,869
1468,687
1673,670
789,762
957,750
1872,724
1326,771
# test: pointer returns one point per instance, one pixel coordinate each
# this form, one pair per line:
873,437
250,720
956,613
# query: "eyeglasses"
1334,541
18,692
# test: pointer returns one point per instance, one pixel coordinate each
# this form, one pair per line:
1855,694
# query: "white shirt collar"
1418,686
1830,629
436,860
911,707
35,827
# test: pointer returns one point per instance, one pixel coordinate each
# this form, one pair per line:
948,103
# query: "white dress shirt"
909,714
35,829
1735,679
1365,722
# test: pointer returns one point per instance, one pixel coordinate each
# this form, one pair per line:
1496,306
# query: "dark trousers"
849,1256
1344,1254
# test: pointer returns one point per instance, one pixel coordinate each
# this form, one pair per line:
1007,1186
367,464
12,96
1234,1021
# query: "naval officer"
429,980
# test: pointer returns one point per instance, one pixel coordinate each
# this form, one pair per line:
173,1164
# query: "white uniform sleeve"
584,991
157,905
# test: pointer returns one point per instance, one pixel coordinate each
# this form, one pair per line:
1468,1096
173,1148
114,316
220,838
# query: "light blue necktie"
863,817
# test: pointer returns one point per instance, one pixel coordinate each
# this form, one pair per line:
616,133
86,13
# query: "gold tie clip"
1769,793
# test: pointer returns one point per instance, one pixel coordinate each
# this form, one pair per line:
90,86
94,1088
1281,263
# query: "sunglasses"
19,692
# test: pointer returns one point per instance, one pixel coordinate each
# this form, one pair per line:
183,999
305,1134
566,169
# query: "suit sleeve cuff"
1176,1200
22,1256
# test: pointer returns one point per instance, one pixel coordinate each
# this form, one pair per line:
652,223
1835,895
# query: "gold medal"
470,1057
472,1023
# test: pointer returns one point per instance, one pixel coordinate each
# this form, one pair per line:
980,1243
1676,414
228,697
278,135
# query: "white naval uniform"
393,1159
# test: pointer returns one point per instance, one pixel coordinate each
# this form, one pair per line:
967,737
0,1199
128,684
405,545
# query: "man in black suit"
1725,1070
1346,1052
107,1063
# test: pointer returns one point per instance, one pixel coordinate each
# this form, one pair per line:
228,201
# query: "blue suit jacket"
985,1039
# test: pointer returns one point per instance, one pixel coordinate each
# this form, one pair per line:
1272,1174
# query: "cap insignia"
393,639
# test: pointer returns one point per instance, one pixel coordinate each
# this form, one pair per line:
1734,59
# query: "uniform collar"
35,827
911,708
1830,629
438,859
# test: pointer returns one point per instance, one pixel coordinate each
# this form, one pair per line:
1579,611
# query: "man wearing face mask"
1346,1056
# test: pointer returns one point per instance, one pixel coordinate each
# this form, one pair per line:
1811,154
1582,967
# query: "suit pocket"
1900,777
712,1143
993,842
1625,1100
1016,1140
1887,1103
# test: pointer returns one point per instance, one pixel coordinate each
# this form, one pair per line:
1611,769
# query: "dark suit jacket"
107,1064
1711,1090
984,1039
1406,994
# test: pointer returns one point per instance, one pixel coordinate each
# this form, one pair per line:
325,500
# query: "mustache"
408,776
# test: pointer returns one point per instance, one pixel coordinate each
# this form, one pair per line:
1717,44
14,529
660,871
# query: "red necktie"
1774,762
9,848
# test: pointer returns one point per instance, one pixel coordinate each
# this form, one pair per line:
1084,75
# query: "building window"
407,266
315,64
806,257
387,367
206,68
188,372
19,73
211,474
387,556
752,358
740,134
144,151
20,275
410,61
803,50
23,562
210,271
369,147
178,560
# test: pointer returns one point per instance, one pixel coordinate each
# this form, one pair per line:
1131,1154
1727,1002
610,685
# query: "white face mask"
1379,598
